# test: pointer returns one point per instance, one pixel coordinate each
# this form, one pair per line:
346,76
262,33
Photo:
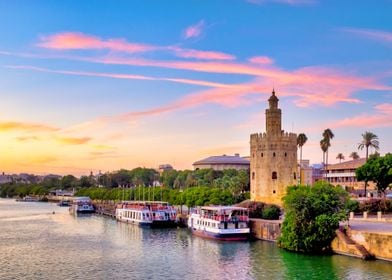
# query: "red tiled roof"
351,164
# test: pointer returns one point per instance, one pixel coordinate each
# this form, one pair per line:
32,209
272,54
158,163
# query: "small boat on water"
64,203
27,199
227,223
153,214
81,205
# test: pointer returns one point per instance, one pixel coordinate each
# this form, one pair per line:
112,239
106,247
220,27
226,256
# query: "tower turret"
273,116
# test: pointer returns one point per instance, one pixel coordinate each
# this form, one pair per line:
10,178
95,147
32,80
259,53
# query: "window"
273,191
262,154
253,175
274,154
274,175
295,176
285,154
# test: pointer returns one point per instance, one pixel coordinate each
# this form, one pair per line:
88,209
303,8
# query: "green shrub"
271,212
352,206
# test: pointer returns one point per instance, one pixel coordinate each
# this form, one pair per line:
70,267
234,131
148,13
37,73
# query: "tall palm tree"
301,140
324,148
327,137
369,139
354,155
340,156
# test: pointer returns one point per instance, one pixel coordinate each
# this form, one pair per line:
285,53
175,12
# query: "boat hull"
221,236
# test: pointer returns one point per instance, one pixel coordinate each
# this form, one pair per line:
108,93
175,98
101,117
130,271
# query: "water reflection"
36,244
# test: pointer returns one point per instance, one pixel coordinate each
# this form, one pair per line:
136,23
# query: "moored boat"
81,205
27,199
64,203
153,214
227,223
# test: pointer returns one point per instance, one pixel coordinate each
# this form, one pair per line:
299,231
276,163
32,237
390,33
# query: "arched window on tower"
253,175
274,175
295,176
274,154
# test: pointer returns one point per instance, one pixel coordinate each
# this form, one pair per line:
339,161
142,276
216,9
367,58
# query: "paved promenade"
368,226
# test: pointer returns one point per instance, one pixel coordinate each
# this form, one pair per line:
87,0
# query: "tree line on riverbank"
196,187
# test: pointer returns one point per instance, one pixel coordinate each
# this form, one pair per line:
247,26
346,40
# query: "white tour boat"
81,205
228,223
147,213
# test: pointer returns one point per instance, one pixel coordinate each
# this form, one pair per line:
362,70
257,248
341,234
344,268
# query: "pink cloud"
204,55
382,117
76,40
320,86
371,34
261,60
80,41
195,30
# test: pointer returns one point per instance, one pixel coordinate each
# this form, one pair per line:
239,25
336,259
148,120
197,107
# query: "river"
37,244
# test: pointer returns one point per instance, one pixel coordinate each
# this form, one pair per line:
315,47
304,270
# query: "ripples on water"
36,244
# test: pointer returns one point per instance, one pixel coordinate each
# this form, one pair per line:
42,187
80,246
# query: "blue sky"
103,85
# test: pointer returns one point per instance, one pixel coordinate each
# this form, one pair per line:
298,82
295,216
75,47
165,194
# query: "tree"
369,139
68,182
312,216
354,155
378,170
328,136
324,148
340,157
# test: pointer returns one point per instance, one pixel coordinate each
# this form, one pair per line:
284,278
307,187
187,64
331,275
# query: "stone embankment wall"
265,229
378,244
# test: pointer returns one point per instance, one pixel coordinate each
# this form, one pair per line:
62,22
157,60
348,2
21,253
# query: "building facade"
343,174
273,158
222,162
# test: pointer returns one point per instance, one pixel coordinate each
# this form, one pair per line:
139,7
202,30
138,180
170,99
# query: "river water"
37,244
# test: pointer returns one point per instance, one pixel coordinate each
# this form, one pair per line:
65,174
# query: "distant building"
306,172
164,167
222,162
4,178
344,174
317,172
273,164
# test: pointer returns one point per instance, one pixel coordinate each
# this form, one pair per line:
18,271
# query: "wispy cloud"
382,117
25,126
121,76
370,34
73,140
194,30
203,55
261,60
81,41
77,40
287,2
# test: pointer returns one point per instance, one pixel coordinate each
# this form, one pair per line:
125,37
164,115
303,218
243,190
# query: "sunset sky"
104,85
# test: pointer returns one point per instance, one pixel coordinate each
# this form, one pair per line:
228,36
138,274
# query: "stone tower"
273,158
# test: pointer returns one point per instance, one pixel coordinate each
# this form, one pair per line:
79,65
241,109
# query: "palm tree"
324,148
369,139
354,155
340,156
301,140
327,137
